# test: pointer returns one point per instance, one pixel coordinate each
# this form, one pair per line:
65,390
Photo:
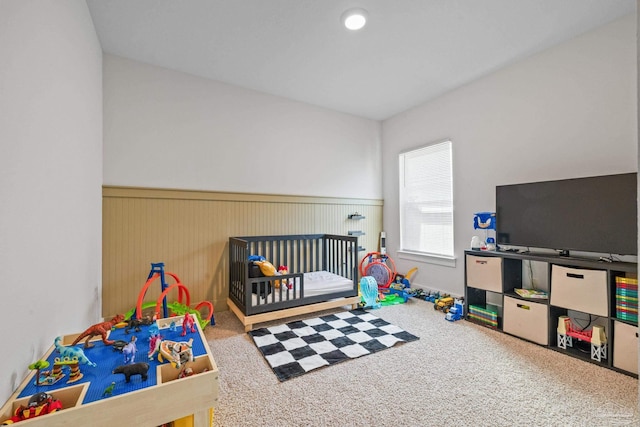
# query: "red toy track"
183,292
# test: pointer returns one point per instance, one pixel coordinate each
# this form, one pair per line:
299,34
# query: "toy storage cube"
625,347
484,273
580,289
526,319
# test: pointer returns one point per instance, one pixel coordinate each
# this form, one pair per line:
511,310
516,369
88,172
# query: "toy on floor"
443,304
139,368
39,404
101,329
404,280
388,298
380,266
369,292
432,296
456,312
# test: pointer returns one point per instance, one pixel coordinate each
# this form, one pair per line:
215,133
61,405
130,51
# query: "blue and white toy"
484,221
456,312
369,292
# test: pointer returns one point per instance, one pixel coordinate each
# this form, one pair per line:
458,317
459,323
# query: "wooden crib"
322,274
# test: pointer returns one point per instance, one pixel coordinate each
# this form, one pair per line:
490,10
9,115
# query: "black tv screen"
594,214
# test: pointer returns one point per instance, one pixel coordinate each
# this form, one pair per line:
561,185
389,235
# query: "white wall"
167,129
50,179
567,112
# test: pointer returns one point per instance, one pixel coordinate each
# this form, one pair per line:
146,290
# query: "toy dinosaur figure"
71,353
109,390
99,329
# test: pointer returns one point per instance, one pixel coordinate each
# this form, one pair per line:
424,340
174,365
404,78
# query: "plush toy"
269,270
266,268
284,270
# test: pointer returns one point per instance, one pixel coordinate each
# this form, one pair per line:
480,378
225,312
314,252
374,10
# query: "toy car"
443,304
456,312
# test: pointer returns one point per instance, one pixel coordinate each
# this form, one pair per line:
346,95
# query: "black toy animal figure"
136,323
140,368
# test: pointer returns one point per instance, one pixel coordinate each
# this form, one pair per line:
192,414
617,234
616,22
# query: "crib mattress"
315,283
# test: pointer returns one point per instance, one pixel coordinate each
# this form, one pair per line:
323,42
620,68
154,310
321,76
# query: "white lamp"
354,19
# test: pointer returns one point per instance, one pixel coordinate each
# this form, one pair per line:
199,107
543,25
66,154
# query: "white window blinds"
426,200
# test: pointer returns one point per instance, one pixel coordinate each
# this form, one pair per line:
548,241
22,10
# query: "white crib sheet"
315,283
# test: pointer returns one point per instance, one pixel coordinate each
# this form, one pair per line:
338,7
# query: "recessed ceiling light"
354,19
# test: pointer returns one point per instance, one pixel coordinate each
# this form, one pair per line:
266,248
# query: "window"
426,201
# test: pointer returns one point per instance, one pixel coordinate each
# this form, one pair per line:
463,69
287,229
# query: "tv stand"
583,299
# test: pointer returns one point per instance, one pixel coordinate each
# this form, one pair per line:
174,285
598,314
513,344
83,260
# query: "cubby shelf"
582,297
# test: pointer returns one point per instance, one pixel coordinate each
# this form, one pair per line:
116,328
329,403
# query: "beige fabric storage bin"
625,347
526,319
484,272
580,289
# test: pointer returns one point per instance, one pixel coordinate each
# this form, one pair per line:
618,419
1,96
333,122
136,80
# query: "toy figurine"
109,390
99,329
71,353
130,351
118,345
39,365
136,323
186,372
140,368
282,270
187,323
39,404
177,353
154,344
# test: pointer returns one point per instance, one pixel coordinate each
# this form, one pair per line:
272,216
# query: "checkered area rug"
295,348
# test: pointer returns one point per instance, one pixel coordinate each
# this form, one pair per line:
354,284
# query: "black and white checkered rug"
299,347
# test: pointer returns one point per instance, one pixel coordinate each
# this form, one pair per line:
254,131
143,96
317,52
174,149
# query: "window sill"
426,258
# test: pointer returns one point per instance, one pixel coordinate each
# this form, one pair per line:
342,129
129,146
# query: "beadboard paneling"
189,232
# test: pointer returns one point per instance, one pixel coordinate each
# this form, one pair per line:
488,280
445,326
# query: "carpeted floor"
456,374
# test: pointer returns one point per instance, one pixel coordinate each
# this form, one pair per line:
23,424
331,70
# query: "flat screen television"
593,214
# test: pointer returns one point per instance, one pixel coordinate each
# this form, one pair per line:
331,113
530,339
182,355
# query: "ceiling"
410,52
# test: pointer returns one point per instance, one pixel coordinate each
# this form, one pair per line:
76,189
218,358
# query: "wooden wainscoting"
189,230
